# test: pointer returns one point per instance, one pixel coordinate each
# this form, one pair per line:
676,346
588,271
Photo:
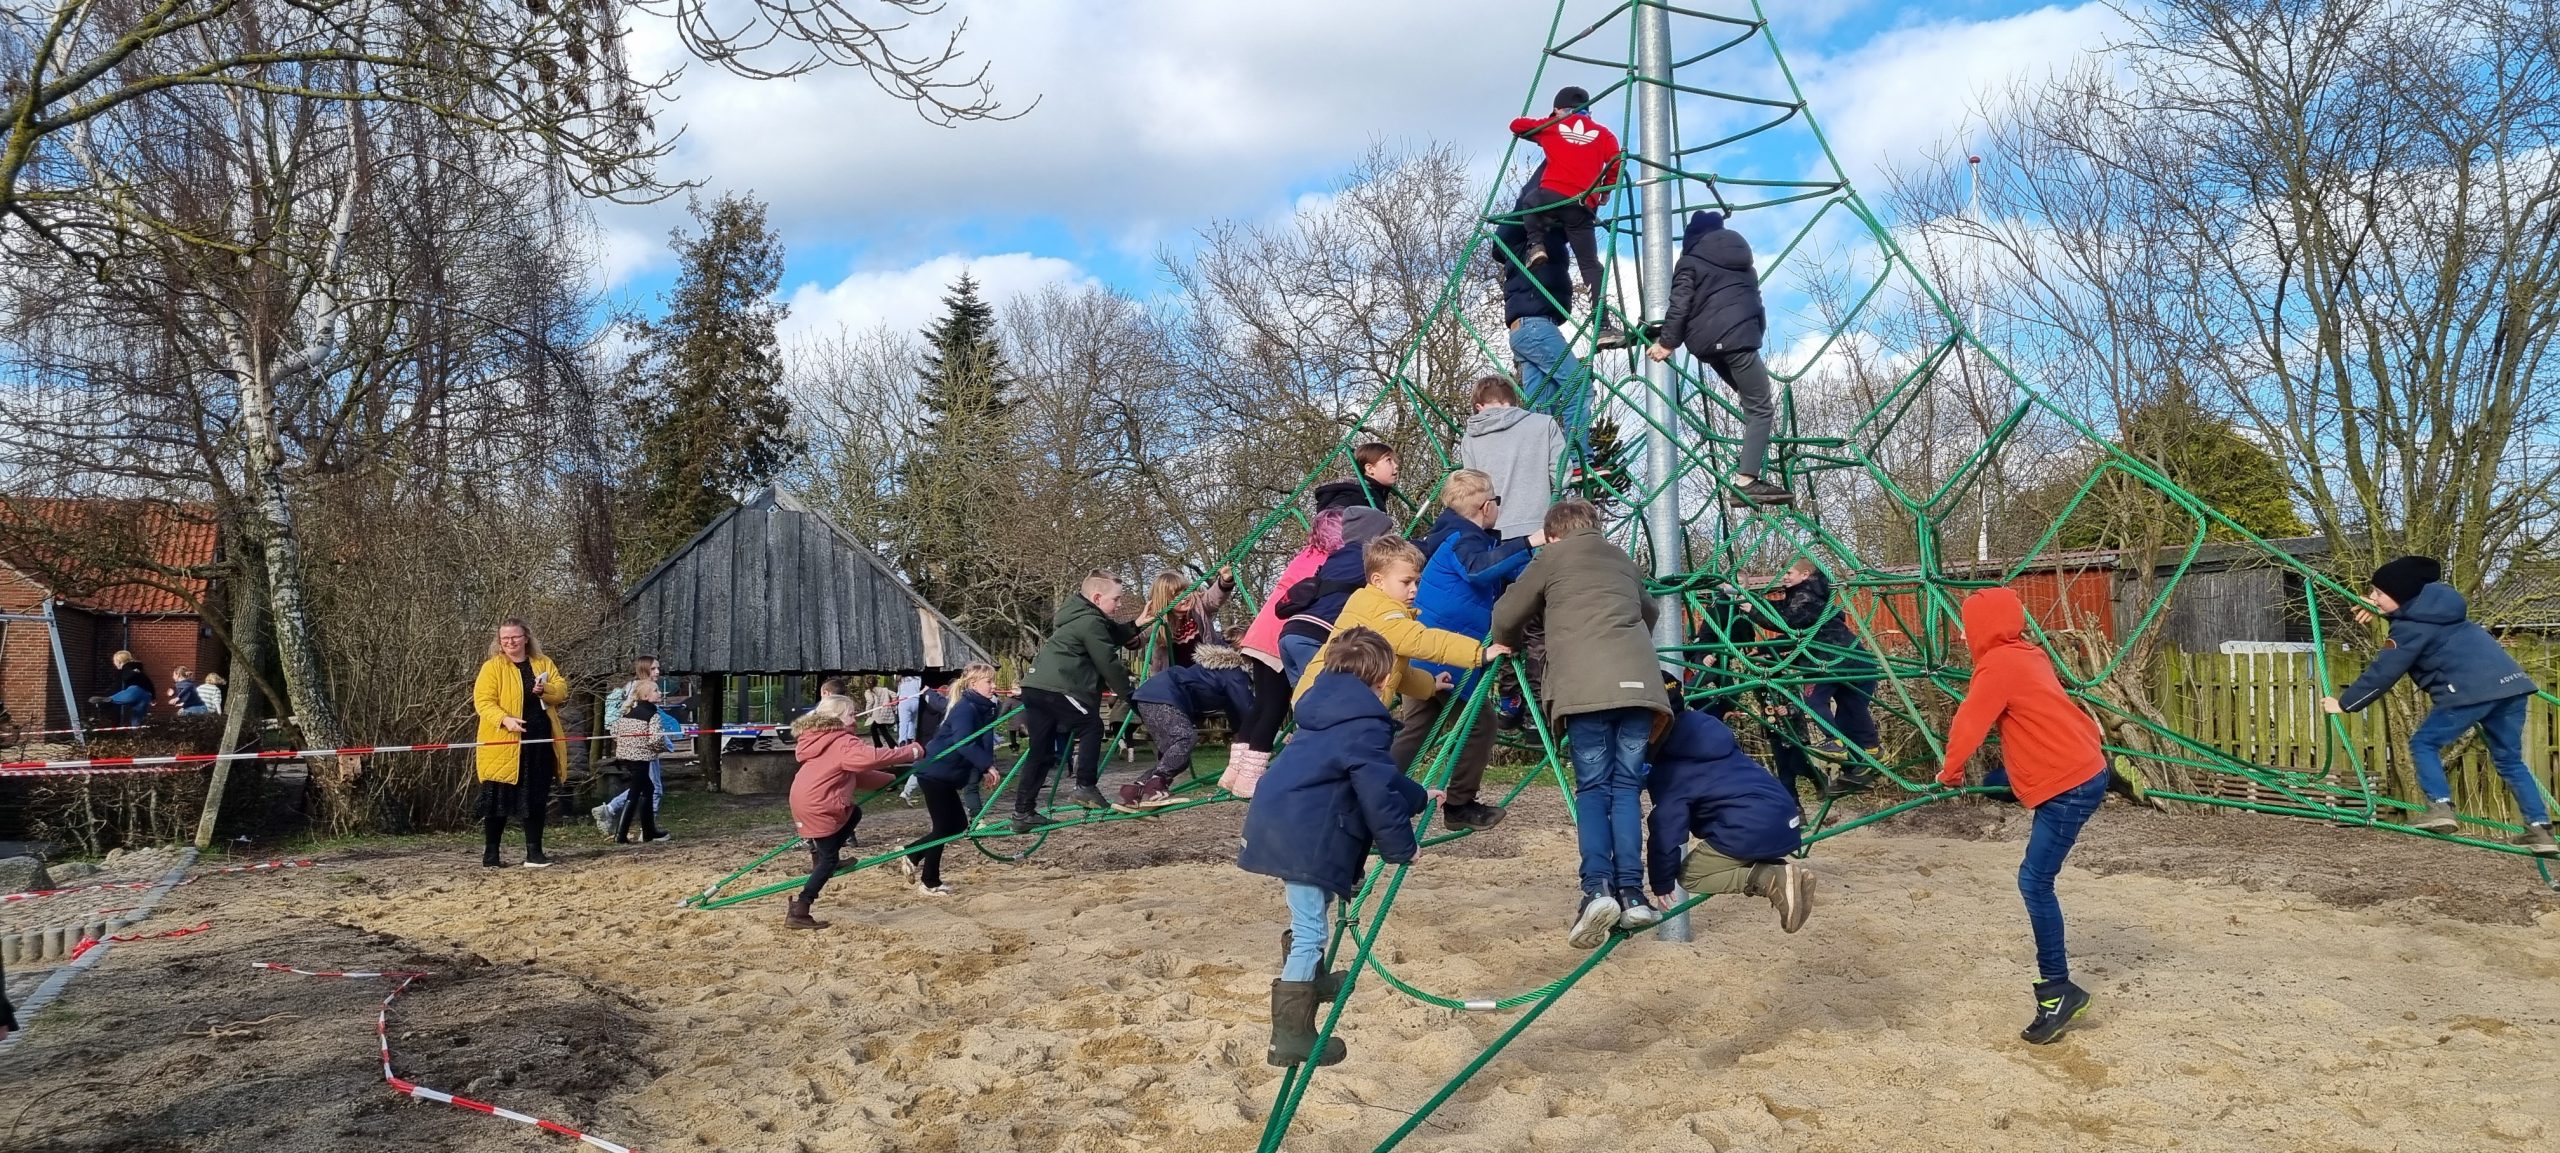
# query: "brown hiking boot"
797,917
1789,889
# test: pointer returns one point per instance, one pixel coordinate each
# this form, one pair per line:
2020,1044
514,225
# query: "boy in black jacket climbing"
2473,681
1716,312
1746,823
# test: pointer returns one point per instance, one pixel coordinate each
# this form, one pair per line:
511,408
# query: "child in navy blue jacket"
1173,703
958,762
2473,683
1331,795
1746,822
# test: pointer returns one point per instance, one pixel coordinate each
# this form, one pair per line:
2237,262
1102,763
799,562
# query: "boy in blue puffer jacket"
1173,703
2472,680
1746,822
1470,566
1331,795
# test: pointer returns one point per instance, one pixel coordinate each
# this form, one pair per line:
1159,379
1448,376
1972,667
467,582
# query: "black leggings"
825,853
1261,728
638,798
529,797
885,736
942,803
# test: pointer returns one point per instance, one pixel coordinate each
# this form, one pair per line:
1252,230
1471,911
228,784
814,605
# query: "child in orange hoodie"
2050,749
835,763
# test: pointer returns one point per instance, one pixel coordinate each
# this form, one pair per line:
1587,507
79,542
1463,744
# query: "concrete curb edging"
58,941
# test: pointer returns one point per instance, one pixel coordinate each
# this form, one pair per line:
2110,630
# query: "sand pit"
1110,996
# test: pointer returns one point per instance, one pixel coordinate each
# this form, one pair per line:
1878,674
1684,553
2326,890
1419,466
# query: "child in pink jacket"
835,764
1255,734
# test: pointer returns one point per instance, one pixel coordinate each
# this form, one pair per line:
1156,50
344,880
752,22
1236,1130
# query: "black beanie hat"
1571,96
2402,577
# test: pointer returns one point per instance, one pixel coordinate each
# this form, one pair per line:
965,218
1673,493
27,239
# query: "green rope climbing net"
1726,76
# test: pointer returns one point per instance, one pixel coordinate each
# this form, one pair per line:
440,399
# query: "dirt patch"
182,1045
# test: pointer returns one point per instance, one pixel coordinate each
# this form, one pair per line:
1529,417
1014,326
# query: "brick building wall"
31,692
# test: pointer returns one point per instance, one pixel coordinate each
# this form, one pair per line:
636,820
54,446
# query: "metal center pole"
1659,251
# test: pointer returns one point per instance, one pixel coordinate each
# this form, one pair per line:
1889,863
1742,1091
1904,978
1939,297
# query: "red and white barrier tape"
183,762
382,1033
15,735
88,943
260,867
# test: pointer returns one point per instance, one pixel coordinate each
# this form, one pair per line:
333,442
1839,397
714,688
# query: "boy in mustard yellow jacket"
517,695
1385,606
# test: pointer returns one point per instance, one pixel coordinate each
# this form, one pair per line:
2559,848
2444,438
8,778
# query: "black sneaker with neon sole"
2059,1005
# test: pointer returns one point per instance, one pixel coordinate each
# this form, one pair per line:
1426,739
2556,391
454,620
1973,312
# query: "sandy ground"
2261,985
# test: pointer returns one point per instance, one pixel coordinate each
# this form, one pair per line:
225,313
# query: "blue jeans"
1551,380
1307,931
657,792
1608,772
1845,705
2057,828
2502,728
132,704
1295,653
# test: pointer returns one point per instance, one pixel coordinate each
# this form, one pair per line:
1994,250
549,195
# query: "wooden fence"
2264,708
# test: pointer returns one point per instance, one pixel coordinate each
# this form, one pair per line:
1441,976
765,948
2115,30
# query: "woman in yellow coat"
516,695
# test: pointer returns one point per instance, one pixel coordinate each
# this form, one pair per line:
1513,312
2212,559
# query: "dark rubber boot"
798,916
1293,1027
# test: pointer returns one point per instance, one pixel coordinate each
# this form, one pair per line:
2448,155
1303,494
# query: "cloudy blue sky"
1156,117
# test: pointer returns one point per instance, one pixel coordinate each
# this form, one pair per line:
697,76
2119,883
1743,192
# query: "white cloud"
1908,90
908,298
623,253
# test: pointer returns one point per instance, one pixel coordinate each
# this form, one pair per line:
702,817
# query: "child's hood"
1993,617
1217,657
2436,604
1700,737
1503,418
1339,699
816,743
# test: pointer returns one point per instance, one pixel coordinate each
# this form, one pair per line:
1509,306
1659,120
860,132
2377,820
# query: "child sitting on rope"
1385,606
1603,679
2056,764
1745,821
1173,703
1375,487
958,762
1331,796
835,763
2473,683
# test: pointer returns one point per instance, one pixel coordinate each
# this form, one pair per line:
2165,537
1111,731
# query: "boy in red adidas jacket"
2050,750
1582,160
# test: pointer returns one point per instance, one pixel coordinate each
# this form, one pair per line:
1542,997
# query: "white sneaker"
907,867
604,817
1591,926
942,890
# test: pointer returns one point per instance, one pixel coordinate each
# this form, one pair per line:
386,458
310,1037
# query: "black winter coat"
1543,291
1356,492
1333,793
1807,606
1715,293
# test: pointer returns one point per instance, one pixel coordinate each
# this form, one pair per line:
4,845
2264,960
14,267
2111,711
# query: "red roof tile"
130,557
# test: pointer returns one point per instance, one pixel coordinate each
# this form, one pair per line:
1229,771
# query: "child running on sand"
1745,821
1602,677
1173,703
1256,733
2472,681
1330,796
2055,764
958,756
835,763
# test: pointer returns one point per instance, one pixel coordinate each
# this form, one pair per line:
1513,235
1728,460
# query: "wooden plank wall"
773,590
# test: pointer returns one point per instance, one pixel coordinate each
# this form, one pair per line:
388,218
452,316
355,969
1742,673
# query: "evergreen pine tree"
708,382
967,440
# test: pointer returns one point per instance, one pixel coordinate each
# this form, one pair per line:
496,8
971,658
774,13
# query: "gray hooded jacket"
1519,449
